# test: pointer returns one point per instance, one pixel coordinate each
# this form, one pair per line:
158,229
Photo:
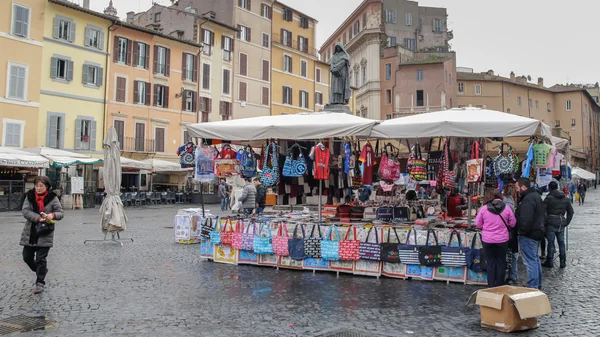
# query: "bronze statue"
340,76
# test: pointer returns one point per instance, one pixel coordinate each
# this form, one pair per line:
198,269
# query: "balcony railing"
294,44
135,144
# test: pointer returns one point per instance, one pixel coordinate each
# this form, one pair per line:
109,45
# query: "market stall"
17,170
580,173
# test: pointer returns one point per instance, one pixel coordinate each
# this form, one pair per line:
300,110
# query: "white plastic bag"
237,206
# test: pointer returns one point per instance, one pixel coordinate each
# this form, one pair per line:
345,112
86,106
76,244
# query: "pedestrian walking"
41,208
495,219
559,213
581,190
223,195
248,198
530,221
572,190
261,196
513,241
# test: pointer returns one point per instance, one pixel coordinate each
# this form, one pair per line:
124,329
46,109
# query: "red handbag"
280,241
227,234
350,249
237,235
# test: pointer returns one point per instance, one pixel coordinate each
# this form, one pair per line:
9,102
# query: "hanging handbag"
296,245
418,166
504,164
263,245
476,257
294,167
237,235
454,256
370,250
215,235
409,254
248,238
448,175
281,240
248,163
312,245
227,234
389,167
389,250
350,249
207,228
401,214
430,256
330,248
385,213
490,176
474,165
343,211
270,173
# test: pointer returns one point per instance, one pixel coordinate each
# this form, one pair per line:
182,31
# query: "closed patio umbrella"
114,218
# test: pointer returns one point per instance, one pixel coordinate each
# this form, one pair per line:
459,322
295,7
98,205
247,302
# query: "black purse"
430,256
44,228
390,250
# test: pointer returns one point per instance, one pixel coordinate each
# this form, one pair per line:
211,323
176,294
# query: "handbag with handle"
296,244
504,164
263,245
248,238
454,256
409,254
237,235
215,235
389,168
449,176
430,256
281,240
207,228
389,250
475,256
357,212
248,163
227,234
270,173
474,165
370,250
330,247
294,167
418,166
350,249
312,245
385,213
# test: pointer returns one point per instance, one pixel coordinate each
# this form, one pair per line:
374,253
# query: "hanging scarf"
39,200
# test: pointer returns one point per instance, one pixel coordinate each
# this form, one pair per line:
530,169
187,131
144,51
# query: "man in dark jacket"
530,220
261,197
556,205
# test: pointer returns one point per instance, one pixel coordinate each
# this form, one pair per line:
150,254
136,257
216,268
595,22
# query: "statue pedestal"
338,108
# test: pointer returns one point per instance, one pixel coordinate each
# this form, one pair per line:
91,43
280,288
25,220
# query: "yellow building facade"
22,41
73,76
299,81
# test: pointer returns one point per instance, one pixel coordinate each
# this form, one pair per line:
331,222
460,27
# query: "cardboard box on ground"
508,308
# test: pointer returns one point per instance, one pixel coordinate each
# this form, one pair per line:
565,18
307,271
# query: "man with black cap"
556,205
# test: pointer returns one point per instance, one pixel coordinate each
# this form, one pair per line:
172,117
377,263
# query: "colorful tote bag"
280,241
418,166
474,165
248,238
370,250
312,245
227,234
207,228
430,255
389,250
409,254
350,249
454,256
270,172
504,164
237,235
330,247
263,245
248,163
294,167
475,257
215,235
389,168
296,244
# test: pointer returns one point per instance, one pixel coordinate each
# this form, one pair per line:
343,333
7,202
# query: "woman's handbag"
418,166
206,228
350,249
430,256
491,181
294,167
312,245
389,168
237,235
330,248
296,245
474,165
385,213
475,257
504,164
215,235
454,256
448,175
389,250
263,245
248,163
248,238
357,212
227,234
281,240
370,250
270,173
409,254
44,228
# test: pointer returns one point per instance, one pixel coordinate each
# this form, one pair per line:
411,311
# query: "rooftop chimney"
490,72
540,82
211,15
86,4
130,16
512,75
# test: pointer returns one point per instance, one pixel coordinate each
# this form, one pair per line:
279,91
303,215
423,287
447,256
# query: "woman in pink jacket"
494,219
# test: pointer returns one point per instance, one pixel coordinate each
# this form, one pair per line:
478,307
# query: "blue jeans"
224,204
513,273
559,234
529,249
260,210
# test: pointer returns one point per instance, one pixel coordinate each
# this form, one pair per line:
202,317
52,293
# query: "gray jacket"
32,214
248,197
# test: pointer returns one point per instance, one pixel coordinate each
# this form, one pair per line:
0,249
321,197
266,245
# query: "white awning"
18,158
582,174
461,122
134,164
301,126
62,158
158,165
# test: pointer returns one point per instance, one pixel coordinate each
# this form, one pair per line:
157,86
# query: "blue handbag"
385,213
296,245
269,174
248,163
294,167
263,245
330,249
215,235
454,256
475,257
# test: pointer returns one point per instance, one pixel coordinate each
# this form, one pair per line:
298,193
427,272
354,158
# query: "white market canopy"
580,173
62,158
300,126
461,122
134,164
18,158
158,165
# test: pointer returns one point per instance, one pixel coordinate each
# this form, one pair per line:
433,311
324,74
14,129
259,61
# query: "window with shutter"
161,61
20,20
12,134
266,70
266,40
243,64
85,134
303,68
287,63
243,91
55,130
121,89
140,135
206,76
159,139
227,45
287,95
265,96
120,128
318,75
226,82
16,81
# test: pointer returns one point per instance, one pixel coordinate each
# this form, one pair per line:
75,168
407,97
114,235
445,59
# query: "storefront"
17,170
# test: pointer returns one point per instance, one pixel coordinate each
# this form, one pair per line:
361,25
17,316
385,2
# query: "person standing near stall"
513,242
581,190
223,194
495,219
572,190
556,205
530,221
261,196
248,198
41,208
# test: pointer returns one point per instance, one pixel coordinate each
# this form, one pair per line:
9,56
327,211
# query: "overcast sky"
541,38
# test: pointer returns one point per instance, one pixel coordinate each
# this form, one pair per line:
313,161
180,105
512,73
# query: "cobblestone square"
155,287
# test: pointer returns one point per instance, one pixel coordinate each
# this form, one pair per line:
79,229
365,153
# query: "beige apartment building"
570,110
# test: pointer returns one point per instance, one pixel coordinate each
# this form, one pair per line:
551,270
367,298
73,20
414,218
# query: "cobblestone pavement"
155,287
